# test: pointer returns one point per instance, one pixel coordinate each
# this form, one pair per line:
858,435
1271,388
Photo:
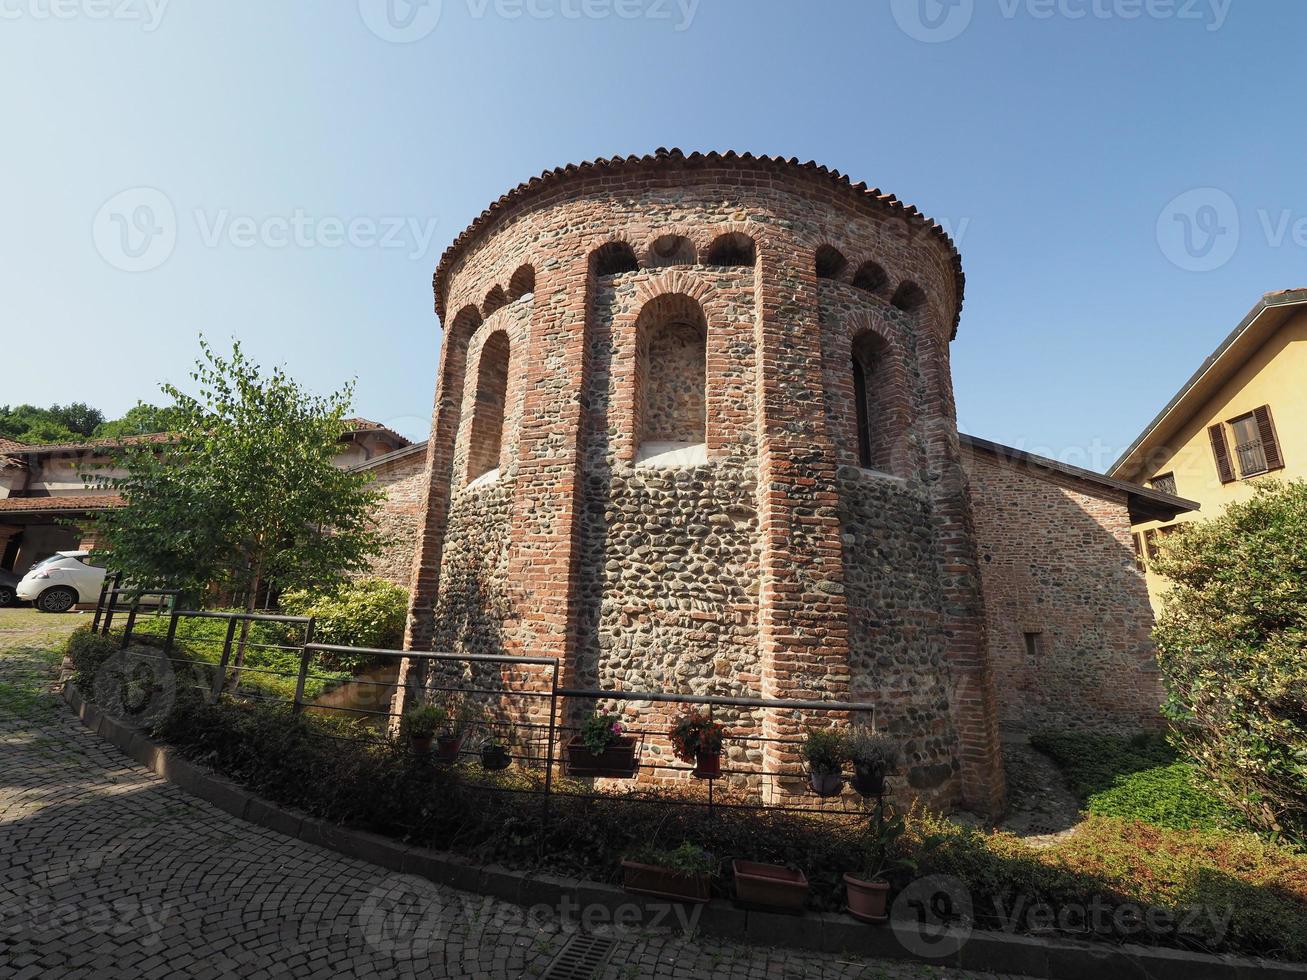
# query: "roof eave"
1266,316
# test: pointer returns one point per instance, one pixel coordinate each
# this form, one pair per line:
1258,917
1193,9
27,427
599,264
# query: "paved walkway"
108,871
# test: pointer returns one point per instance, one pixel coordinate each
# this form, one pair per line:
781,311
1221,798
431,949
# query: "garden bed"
324,767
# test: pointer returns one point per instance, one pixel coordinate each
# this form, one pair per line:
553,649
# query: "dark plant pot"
770,887
826,783
448,747
421,743
615,762
708,765
866,899
869,780
495,758
649,879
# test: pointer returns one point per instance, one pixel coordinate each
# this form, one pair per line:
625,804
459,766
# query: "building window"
732,249
874,393
1163,483
1139,552
1255,445
1034,644
1150,544
830,262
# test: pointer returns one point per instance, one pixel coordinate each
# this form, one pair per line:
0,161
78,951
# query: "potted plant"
681,875
873,756
420,724
824,752
601,749
770,887
495,756
459,716
697,738
867,890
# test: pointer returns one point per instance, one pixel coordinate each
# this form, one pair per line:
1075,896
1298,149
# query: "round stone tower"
694,432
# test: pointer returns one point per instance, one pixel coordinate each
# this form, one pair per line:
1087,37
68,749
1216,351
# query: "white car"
62,581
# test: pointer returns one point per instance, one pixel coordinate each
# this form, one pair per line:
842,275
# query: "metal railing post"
549,746
221,680
113,599
305,654
99,603
131,622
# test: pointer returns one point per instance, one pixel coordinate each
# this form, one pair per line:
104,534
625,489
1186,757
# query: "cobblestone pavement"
108,871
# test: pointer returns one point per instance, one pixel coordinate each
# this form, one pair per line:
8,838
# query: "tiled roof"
677,159
40,505
356,425
12,448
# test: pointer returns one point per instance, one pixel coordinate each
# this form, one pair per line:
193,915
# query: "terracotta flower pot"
826,783
495,758
708,765
649,879
421,743
448,747
868,780
769,887
866,899
615,762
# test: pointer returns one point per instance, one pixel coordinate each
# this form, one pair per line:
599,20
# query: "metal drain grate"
581,958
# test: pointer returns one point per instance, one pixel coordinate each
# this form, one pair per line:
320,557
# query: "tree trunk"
251,600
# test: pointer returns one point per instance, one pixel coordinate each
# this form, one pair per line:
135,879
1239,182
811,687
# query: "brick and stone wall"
402,478
1068,615
770,564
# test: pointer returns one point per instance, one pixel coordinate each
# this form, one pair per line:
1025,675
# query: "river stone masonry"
718,394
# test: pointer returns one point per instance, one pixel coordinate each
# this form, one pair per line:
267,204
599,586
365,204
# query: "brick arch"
495,300
675,282
830,262
522,282
691,254
871,277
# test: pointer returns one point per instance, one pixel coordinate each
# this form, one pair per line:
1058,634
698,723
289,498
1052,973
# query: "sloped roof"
357,425
675,159
11,448
413,449
1145,503
1267,316
42,505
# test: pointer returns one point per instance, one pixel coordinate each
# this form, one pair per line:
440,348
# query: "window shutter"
1221,452
1270,445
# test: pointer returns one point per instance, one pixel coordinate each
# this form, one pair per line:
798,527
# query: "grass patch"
1137,778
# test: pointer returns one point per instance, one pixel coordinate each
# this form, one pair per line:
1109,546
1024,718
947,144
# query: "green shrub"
364,612
1139,778
1232,645
340,771
88,651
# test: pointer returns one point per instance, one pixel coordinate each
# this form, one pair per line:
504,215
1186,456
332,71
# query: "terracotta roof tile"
38,505
10,447
675,158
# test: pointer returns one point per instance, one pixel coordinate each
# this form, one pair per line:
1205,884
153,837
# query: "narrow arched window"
670,379
522,284
614,258
487,437
870,277
909,297
830,262
495,300
877,413
732,249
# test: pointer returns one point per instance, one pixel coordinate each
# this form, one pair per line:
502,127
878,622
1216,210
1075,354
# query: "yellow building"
1241,419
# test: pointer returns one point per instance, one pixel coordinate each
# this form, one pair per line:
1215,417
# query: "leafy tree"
1232,644
78,417
141,419
247,495
27,423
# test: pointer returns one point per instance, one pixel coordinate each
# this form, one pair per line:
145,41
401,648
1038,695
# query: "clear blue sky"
1051,135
